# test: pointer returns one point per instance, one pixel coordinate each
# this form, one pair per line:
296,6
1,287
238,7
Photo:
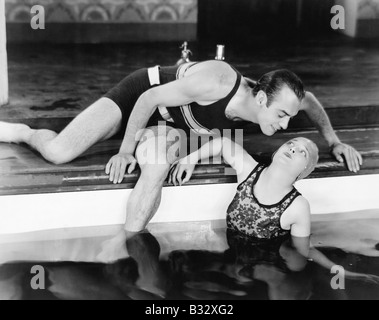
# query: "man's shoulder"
217,65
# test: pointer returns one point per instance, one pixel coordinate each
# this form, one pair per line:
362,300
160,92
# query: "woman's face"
294,155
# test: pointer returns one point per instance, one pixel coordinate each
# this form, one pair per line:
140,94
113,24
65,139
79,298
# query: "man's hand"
352,157
178,169
117,165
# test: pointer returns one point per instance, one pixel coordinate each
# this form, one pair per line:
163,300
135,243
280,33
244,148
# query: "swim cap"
313,157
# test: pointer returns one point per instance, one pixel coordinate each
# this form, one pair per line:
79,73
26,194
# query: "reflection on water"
204,262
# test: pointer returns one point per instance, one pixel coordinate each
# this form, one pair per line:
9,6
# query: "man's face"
277,116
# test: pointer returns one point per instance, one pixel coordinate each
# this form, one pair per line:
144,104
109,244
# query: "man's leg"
98,122
155,155
145,250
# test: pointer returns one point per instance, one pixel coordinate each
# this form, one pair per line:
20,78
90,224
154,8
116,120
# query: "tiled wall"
362,18
368,9
118,11
368,19
95,21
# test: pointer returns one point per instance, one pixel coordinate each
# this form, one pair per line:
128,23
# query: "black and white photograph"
192,155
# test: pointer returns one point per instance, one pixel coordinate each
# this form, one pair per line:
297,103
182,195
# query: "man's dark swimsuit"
193,117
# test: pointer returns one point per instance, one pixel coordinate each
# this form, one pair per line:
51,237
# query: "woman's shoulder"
301,203
299,209
299,217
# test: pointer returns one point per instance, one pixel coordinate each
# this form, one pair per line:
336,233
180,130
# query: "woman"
266,205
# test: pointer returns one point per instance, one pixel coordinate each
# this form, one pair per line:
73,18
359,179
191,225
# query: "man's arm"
320,119
205,85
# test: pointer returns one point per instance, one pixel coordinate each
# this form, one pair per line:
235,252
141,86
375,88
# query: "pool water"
192,261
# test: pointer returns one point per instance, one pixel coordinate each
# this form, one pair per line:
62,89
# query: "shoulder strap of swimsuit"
236,86
290,198
259,167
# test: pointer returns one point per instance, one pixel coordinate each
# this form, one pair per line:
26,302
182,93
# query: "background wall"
362,18
104,20
94,21
3,58
368,19
243,20
248,19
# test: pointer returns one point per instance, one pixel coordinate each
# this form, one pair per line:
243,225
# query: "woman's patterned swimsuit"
251,218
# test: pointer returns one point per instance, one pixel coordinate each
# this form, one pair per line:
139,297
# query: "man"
195,97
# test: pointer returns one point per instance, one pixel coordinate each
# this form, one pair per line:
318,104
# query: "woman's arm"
301,230
238,158
233,154
299,217
304,247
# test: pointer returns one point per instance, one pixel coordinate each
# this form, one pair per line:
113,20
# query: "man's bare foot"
145,250
114,248
14,133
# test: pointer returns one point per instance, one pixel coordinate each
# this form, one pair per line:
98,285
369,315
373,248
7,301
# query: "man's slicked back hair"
271,83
